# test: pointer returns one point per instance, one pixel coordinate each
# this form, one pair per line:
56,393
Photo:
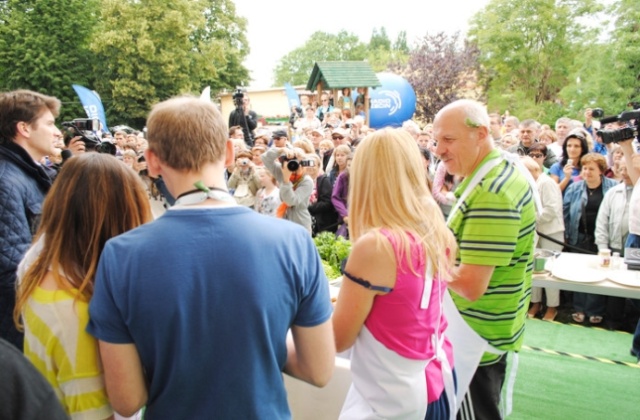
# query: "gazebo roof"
341,74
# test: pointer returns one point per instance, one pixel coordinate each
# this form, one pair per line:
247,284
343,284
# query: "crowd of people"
196,314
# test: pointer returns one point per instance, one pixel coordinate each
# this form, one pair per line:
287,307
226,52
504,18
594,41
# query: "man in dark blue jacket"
27,135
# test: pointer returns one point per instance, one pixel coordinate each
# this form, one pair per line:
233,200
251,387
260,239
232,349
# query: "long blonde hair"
94,198
388,190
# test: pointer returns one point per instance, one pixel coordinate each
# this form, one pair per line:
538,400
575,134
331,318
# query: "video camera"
86,129
620,134
238,97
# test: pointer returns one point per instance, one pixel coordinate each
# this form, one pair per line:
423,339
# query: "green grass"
551,385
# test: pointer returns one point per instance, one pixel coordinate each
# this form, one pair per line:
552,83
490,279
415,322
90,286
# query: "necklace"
592,190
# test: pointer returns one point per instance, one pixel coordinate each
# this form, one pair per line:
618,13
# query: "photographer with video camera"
244,180
625,138
243,116
288,167
80,136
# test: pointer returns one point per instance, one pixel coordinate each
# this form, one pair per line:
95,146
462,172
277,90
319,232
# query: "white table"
580,261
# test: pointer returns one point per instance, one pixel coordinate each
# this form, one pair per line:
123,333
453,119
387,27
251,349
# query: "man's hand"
588,117
77,146
139,166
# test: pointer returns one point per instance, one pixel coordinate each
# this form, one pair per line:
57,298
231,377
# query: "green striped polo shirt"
495,226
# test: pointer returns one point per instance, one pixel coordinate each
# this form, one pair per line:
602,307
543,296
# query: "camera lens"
293,165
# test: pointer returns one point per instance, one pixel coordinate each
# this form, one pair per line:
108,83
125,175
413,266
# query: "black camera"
238,98
292,164
244,162
86,129
616,136
84,124
107,147
620,134
597,113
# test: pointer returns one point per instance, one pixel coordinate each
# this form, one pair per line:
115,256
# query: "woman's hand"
568,169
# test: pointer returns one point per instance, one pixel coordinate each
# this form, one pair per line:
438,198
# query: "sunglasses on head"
576,136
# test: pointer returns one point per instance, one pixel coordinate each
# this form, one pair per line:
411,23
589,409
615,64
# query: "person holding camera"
288,167
27,134
244,116
244,180
632,160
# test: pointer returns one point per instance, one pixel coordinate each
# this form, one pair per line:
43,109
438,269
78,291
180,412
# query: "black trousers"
482,401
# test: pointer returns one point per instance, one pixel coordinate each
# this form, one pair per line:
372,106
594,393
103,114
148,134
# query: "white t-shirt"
268,203
634,210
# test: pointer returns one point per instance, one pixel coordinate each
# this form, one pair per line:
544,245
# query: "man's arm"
471,281
123,377
252,120
311,353
627,149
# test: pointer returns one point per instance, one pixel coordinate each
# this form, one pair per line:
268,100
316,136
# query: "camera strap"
203,193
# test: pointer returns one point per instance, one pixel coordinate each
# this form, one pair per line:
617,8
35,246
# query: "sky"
277,27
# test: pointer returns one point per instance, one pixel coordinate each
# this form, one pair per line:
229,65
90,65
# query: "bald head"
462,132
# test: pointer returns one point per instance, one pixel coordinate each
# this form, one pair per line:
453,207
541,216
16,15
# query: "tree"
296,66
528,48
380,40
225,28
151,50
43,47
401,44
440,71
626,49
382,56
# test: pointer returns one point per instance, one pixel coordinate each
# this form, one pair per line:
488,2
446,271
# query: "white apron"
387,385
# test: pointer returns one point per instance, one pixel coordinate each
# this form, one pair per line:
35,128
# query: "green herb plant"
332,251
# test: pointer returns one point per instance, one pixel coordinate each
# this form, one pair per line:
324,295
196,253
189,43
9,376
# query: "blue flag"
92,105
292,95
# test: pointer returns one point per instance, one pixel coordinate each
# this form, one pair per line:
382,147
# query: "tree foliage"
528,49
626,49
380,52
157,49
440,71
296,66
132,52
384,56
43,47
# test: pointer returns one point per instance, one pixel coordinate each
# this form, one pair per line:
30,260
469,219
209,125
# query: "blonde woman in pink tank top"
389,310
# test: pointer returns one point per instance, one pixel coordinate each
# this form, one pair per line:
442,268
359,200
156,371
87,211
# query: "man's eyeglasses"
337,137
536,155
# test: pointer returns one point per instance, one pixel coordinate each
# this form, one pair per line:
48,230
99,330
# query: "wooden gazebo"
335,75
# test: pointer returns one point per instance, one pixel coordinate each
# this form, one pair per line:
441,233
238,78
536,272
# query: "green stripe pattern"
495,226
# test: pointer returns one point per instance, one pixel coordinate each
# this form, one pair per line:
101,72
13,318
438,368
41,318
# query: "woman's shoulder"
555,168
575,187
374,246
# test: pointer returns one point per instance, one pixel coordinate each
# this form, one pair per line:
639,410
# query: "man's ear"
154,166
229,154
483,133
23,129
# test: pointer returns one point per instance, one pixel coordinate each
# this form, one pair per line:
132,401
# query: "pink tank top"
397,321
